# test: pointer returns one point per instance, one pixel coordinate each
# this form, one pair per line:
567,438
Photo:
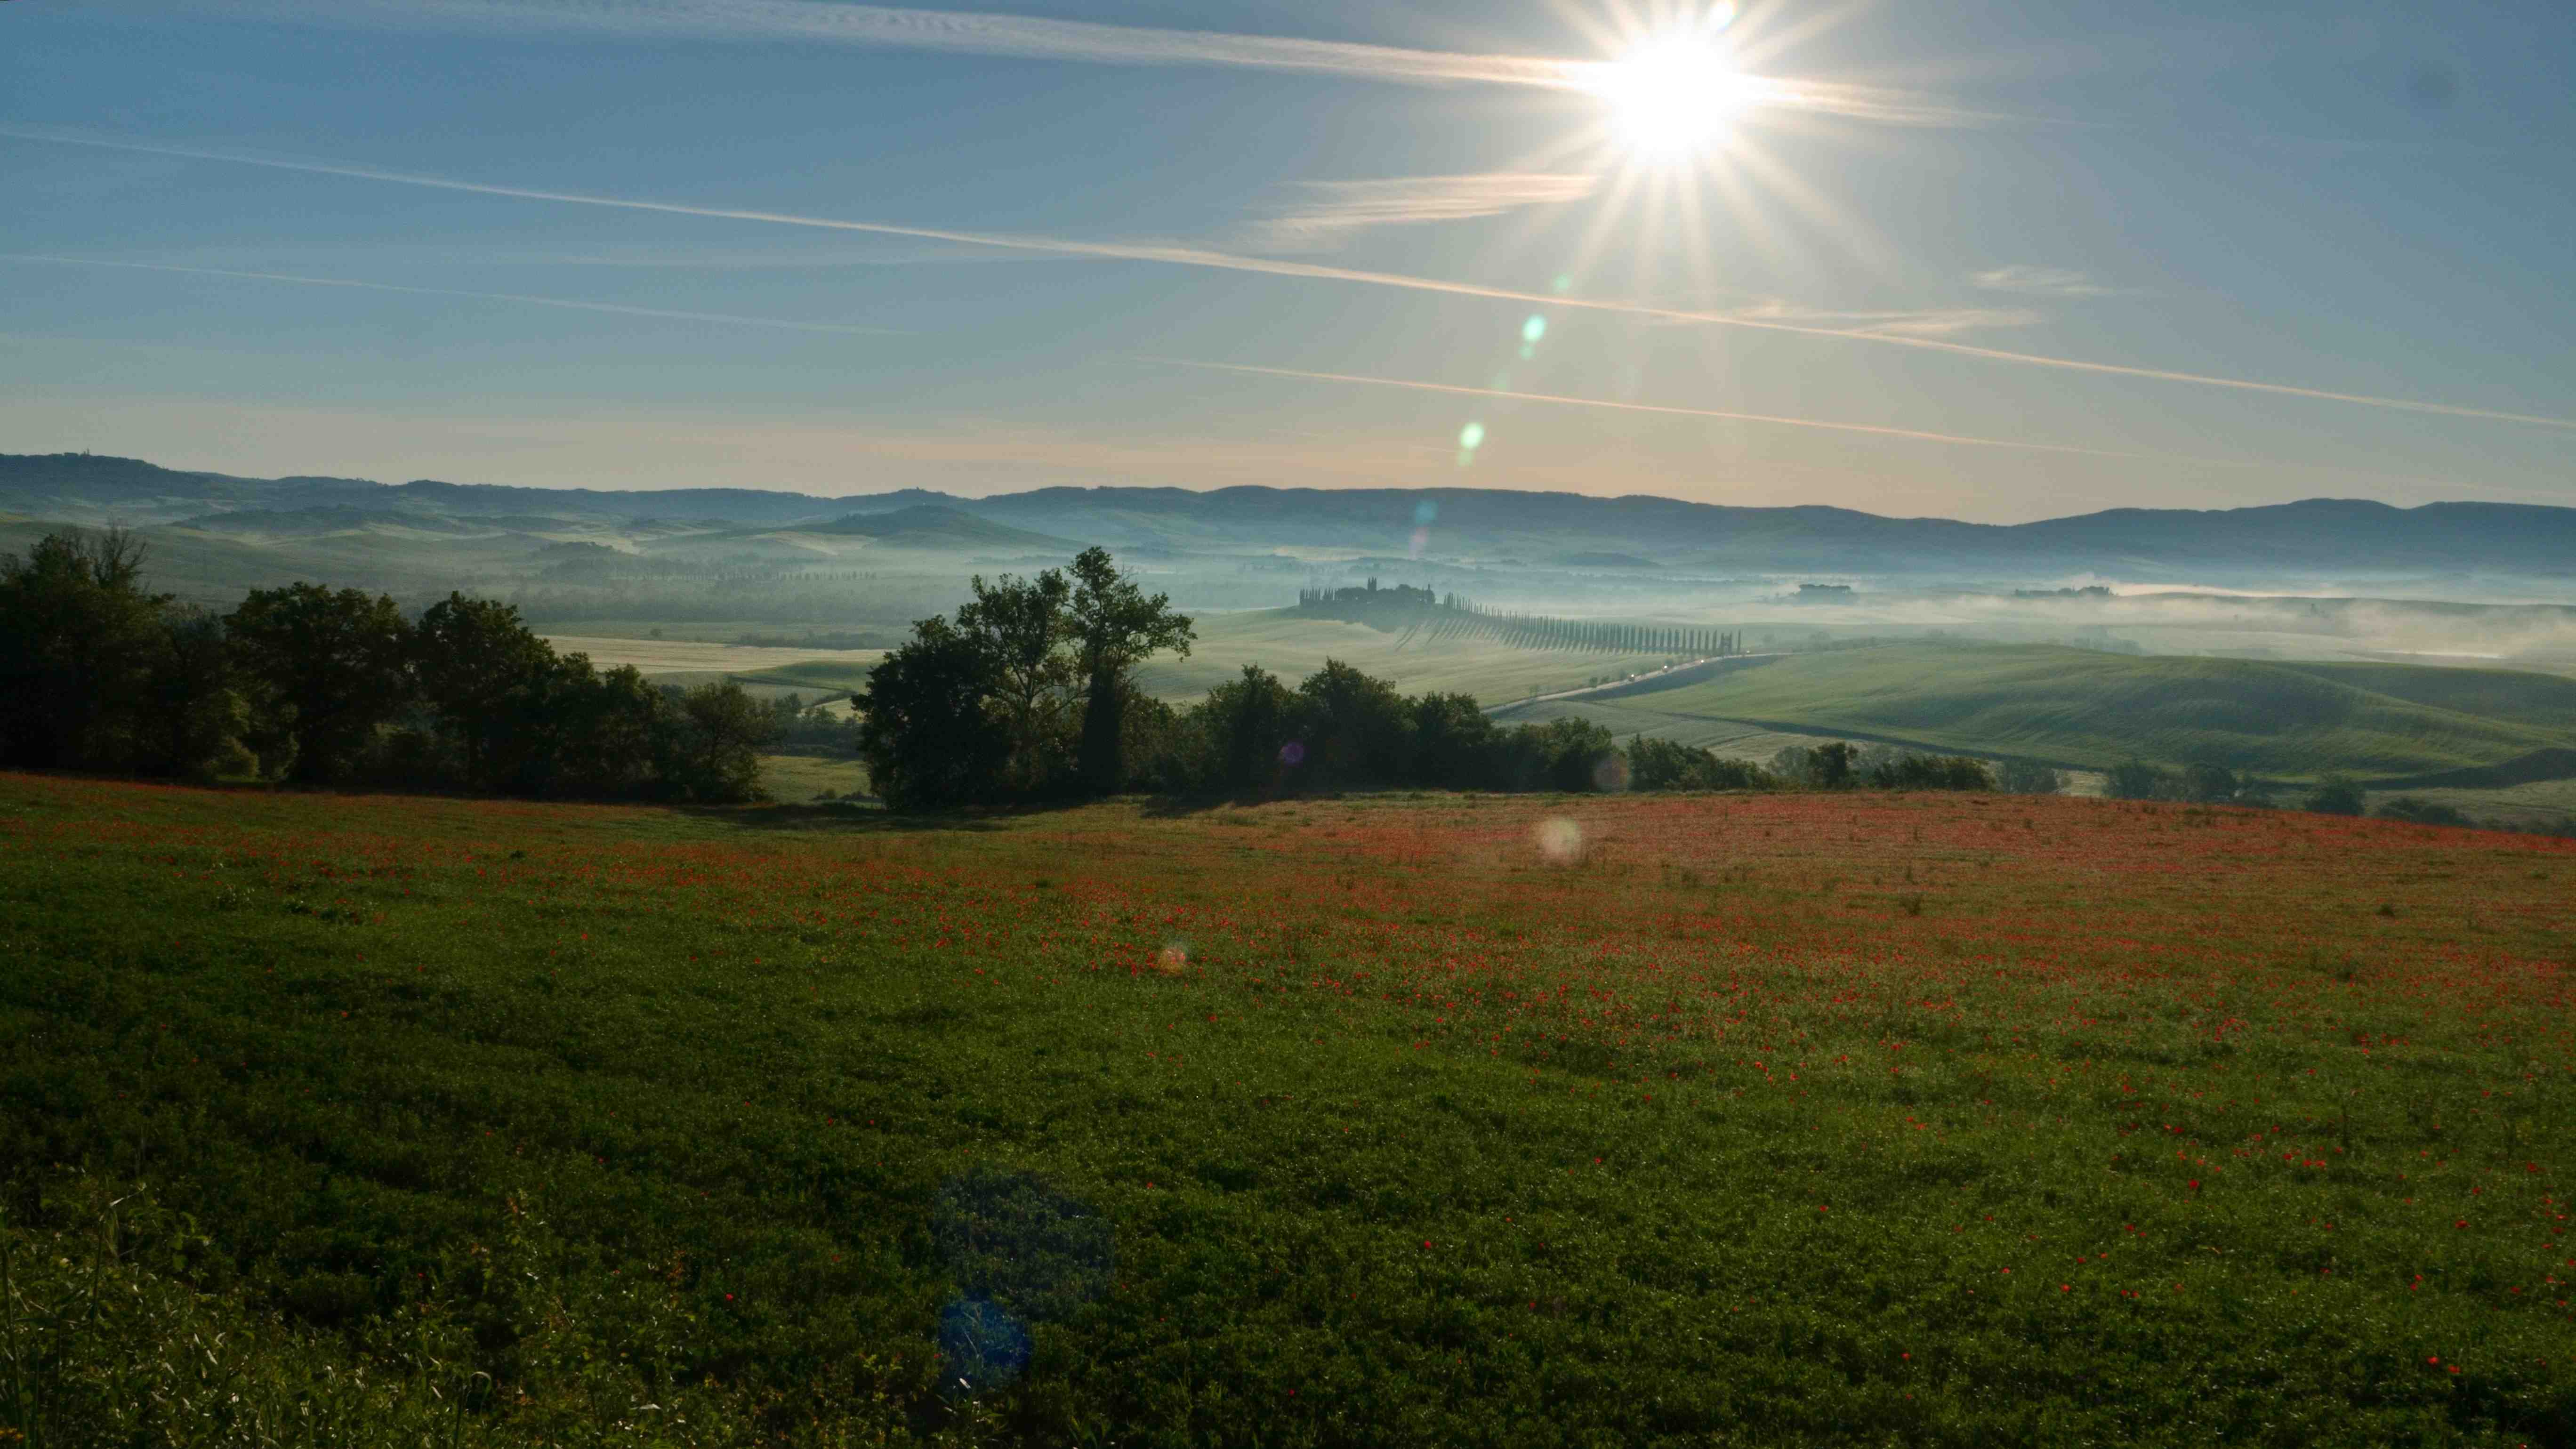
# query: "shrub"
2422,812
2028,777
2335,795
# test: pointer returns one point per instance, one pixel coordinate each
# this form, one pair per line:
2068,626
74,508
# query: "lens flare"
1559,841
1173,959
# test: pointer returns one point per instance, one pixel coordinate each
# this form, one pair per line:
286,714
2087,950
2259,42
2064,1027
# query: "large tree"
933,732
333,664
79,639
477,664
1025,627
1116,627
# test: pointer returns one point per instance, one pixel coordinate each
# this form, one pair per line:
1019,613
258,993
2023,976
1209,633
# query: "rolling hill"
2315,536
2081,708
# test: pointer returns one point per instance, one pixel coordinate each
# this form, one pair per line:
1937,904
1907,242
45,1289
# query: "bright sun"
1671,97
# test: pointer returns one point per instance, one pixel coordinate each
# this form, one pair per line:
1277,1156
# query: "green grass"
2087,709
1292,646
791,779
1766,1120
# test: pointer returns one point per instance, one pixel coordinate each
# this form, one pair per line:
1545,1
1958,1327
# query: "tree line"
312,685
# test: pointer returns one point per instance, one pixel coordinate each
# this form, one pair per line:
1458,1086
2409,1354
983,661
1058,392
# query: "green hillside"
2081,708
1293,645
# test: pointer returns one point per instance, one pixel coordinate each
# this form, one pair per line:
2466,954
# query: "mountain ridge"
2310,534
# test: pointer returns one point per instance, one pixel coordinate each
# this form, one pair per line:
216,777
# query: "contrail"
737,319
1410,384
1073,40
848,329
982,34
1273,266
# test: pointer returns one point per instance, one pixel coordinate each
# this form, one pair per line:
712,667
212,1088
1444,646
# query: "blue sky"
1302,245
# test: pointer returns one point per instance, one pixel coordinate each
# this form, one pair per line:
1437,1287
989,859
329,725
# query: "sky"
1987,259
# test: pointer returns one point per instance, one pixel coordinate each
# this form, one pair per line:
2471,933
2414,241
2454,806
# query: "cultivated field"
714,660
1292,646
1770,1119
2086,709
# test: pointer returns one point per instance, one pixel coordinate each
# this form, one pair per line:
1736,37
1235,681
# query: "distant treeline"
1448,615
319,686
2206,784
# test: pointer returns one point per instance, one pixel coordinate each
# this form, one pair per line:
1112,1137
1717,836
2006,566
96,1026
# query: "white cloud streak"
1925,322
979,34
1877,430
618,308
1329,213
1030,37
2041,281
1186,256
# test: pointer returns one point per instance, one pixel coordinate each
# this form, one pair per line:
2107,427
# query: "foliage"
325,686
1941,1118
83,653
334,664
1025,629
2138,780
2335,795
2421,812
1655,764
1116,627
2028,777
932,732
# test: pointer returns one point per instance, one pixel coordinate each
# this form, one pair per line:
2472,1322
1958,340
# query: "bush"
2138,780
1931,772
2335,795
2028,777
2422,812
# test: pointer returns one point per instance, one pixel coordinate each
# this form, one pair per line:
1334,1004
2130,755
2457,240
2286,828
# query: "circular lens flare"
1673,96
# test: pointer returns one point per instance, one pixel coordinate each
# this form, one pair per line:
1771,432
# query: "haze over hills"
2282,543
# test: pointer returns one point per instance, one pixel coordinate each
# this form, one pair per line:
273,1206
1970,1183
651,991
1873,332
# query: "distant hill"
933,526
2315,537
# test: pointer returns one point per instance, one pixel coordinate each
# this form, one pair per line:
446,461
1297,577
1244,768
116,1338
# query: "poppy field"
1768,1119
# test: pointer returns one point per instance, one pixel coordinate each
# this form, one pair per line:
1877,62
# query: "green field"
2085,709
1775,1119
1292,646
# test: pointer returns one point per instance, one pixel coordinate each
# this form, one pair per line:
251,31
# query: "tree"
474,660
2138,780
1247,724
78,641
1829,766
1116,627
1356,728
933,733
1453,742
2028,777
1906,770
608,728
713,753
2417,810
193,717
2208,784
335,666
2335,795
1024,627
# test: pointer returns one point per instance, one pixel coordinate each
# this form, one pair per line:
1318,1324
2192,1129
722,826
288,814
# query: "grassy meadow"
1293,645
1764,1119
2091,710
